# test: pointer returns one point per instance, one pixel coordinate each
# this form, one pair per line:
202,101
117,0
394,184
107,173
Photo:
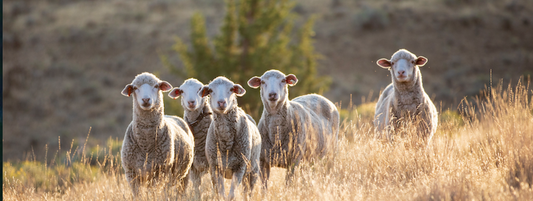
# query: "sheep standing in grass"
303,128
233,142
156,146
197,114
405,100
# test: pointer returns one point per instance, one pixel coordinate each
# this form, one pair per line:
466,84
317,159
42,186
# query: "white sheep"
155,145
405,100
233,142
306,127
197,114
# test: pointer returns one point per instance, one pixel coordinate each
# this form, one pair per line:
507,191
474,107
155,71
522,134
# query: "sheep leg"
236,180
196,181
290,174
246,186
133,181
290,169
183,184
252,180
265,174
218,180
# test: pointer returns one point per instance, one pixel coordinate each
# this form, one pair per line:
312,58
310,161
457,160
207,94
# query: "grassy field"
483,153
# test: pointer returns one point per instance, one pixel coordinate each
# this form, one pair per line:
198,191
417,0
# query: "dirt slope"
65,62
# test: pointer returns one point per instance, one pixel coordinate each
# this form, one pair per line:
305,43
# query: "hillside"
65,62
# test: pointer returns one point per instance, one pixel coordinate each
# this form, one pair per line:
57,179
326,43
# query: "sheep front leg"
252,178
133,181
196,181
218,180
294,158
236,180
290,171
183,184
265,174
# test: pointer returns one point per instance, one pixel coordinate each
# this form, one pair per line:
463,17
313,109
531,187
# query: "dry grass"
486,155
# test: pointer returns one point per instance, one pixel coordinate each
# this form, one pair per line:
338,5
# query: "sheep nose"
222,104
146,100
402,72
272,95
191,103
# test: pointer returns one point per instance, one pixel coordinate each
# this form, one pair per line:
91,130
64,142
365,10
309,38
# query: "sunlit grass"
481,151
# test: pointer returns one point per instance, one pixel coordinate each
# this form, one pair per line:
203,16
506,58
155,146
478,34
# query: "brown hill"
65,62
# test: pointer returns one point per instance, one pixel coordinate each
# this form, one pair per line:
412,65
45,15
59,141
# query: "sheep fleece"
302,130
171,150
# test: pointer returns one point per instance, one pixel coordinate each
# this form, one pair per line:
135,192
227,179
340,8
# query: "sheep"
233,141
197,114
304,128
155,145
405,100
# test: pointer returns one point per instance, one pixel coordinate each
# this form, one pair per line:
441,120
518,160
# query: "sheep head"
190,99
223,94
146,90
403,65
274,87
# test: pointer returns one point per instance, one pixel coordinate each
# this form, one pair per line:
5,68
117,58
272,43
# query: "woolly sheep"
233,142
291,130
405,98
155,145
197,114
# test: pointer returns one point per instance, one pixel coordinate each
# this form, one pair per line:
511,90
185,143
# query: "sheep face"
274,86
190,98
146,90
222,94
403,65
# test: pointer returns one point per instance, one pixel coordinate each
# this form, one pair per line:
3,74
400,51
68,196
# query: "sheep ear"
127,90
384,63
238,90
254,82
421,61
204,91
291,80
165,86
175,93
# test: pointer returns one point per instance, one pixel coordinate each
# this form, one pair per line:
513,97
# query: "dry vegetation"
483,153
66,61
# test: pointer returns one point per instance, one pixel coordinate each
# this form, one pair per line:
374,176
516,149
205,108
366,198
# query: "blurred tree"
256,36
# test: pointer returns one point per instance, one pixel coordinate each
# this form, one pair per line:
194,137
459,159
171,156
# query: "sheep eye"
283,81
413,62
262,82
134,88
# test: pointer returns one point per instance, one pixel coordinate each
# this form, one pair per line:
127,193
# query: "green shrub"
256,36
48,178
451,116
363,112
105,156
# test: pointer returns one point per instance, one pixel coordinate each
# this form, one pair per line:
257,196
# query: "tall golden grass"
483,152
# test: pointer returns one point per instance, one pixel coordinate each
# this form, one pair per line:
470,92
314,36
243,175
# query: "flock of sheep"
217,136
